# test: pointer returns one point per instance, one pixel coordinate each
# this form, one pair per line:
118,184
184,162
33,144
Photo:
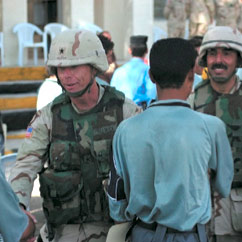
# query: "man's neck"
171,93
224,88
88,100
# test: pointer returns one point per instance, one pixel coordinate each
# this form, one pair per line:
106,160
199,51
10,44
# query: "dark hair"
170,61
138,51
196,41
107,43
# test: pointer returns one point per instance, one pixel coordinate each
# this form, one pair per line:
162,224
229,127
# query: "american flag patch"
29,132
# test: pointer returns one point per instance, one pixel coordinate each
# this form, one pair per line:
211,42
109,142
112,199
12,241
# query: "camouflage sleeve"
237,10
130,108
30,155
188,8
190,100
167,9
211,8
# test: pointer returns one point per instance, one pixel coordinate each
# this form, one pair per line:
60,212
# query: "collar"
236,85
170,102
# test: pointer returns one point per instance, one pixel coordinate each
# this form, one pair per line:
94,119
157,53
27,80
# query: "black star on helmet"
61,51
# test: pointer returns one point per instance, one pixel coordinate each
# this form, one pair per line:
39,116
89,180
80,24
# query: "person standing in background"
239,20
196,41
108,45
175,13
200,14
132,78
227,12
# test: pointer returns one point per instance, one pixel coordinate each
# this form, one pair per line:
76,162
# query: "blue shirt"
162,156
133,80
13,221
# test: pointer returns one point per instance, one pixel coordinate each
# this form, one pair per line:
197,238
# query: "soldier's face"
221,63
74,78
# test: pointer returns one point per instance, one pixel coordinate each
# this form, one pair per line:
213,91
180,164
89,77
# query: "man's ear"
130,51
190,76
151,77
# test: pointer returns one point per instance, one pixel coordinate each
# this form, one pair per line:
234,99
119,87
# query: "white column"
123,19
1,15
143,19
13,12
76,11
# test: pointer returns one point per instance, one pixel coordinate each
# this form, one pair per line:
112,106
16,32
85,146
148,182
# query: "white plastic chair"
158,33
7,162
25,33
53,29
1,49
89,26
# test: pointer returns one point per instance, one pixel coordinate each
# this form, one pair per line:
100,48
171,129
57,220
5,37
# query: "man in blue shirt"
163,158
132,78
14,223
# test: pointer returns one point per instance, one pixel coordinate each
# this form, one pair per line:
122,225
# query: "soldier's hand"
28,235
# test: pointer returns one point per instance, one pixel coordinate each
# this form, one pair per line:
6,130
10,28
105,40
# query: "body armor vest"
228,107
79,156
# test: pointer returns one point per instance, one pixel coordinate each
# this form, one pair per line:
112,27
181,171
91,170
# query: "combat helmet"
220,36
77,47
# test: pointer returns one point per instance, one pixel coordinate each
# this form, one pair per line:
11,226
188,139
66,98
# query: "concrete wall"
1,22
76,11
17,13
123,19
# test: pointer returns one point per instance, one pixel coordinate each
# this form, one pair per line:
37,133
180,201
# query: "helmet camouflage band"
220,36
77,47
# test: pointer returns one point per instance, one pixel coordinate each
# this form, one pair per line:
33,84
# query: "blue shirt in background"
132,78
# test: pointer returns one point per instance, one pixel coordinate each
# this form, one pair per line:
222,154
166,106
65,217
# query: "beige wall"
9,20
76,11
121,18
1,26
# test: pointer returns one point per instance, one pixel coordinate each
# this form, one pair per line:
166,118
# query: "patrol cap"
138,40
77,47
220,36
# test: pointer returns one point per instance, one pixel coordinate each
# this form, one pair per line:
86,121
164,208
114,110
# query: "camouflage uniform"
226,222
70,150
36,149
239,21
175,13
227,12
201,13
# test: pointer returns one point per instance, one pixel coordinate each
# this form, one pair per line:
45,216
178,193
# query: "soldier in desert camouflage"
68,142
200,14
239,20
227,12
221,95
175,13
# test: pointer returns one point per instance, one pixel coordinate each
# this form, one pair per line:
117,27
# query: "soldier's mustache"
219,66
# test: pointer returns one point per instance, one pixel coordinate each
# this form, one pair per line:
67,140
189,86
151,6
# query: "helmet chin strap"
222,80
80,93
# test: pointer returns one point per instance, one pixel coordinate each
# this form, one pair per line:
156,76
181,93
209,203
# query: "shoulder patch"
29,132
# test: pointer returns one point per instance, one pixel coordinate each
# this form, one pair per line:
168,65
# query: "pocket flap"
236,195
